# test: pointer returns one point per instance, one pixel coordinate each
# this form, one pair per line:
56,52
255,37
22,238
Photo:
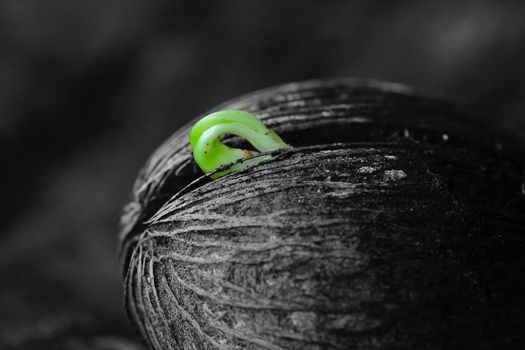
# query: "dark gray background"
88,89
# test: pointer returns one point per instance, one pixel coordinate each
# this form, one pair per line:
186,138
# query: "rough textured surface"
394,223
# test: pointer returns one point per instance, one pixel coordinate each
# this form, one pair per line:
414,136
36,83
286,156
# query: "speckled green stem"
210,153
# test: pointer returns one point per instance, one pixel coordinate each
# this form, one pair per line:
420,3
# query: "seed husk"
376,231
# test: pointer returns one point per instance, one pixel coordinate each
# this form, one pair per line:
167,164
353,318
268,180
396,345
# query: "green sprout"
211,154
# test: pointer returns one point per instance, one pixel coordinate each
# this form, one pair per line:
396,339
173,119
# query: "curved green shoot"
210,153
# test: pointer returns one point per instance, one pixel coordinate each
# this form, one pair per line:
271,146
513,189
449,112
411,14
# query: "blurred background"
88,89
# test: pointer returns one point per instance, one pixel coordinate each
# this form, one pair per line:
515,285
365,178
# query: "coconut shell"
395,222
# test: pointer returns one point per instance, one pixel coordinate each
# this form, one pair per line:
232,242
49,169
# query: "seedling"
210,154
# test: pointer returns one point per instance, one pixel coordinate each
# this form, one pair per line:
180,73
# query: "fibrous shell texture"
395,222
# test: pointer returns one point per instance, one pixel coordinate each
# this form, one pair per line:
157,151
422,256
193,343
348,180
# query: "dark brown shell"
394,222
